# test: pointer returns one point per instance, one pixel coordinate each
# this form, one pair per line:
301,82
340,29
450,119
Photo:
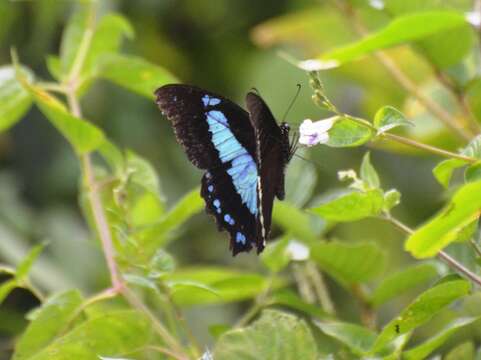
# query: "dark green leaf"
357,338
275,335
209,285
368,173
6,288
472,173
291,300
440,337
135,74
422,309
154,236
463,351
54,317
14,99
107,335
444,170
294,220
444,227
346,132
275,256
388,118
355,205
403,281
348,263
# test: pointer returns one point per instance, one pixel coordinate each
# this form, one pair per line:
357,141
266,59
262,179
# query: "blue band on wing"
243,169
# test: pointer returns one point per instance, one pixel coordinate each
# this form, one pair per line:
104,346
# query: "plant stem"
452,263
429,148
95,202
434,108
159,328
320,288
368,316
414,143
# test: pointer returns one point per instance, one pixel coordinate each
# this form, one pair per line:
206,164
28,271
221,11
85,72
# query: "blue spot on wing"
243,171
207,100
240,238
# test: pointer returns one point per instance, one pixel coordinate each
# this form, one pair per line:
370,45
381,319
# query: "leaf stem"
450,261
429,148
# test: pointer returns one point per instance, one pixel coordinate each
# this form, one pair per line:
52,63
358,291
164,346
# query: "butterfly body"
244,155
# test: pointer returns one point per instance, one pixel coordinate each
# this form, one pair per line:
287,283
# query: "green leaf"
368,173
53,66
349,263
294,221
106,39
142,172
214,285
107,335
113,156
82,135
355,205
51,320
388,118
472,173
444,228
401,30
275,336
154,236
444,170
275,256
357,338
448,48
347,132
463,351
426,348
73,37
403,281
25,265
422,309
160,264
391,199
14,99
290,299
135,74
6,288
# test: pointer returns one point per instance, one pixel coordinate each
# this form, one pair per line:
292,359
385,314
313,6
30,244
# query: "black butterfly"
244,153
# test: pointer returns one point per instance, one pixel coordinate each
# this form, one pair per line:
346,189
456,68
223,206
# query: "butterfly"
244,153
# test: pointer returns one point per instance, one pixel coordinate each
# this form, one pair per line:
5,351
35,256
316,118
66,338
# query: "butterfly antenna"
292,101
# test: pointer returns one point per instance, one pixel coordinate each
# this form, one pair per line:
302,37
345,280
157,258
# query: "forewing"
188,108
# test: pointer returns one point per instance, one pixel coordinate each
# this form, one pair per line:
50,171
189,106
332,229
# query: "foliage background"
227,47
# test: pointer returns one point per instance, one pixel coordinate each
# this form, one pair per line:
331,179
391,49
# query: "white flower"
317,65
297,251
474,18
377,4
313,133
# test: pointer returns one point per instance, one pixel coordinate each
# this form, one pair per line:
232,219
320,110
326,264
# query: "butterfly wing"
272,153
218,136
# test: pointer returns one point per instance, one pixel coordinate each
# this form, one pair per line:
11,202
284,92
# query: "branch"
452,263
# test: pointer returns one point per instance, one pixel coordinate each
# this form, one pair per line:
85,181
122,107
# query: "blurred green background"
225,46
